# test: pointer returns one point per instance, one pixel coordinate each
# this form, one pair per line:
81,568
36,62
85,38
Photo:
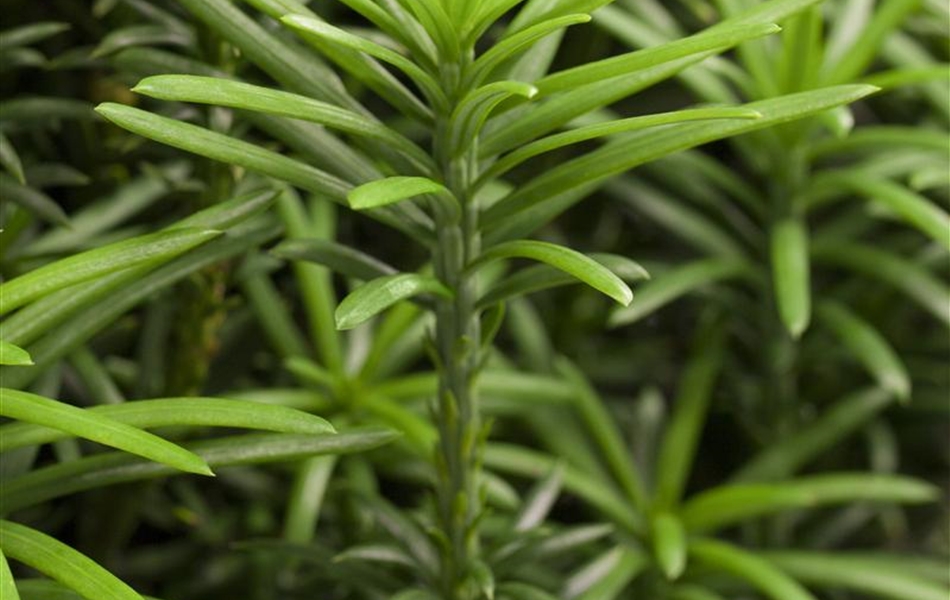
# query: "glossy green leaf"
311,27
337,257
112,468
781,459
297,71
760,573
49,589
791,274
208,412
867,344
472,111
7,587
379,294
669,544
510,45
45,314
719,39
148,249
217,146
13,355
667,287
98,427
542,277
601,83
569,261
540,199
729,504
60,562
395,189
77,313
223,92
589,132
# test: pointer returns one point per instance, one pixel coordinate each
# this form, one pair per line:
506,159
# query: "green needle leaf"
871,348
379,294
743,564
164,412
10,160
7,587
729,504
147,249
38,410
881,576
570,261
217,146
669,545
14,355
57,560
395,189
790,274
94,472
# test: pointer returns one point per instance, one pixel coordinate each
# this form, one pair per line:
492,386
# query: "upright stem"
457,338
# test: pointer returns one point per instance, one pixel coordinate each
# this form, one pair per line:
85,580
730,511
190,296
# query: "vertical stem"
458,349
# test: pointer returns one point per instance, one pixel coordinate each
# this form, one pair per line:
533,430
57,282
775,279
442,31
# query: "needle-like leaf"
379,294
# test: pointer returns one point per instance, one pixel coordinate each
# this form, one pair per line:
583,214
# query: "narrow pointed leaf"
60,562
217,146
38,410
868,346
538,200
7,587
10,160
513,44
337,257
148,249
164,412
760,573
13,355
606,577
95,472
570,261
879,577
30,34
791,274
730,504
395,189
905,275
669,545
665,288
589,132
542,277
472,111
223,92
379,294
32,200
309,26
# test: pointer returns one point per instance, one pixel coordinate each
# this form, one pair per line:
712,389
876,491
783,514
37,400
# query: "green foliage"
189,278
